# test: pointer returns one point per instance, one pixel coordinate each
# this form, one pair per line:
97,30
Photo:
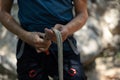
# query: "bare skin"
34,38
77,23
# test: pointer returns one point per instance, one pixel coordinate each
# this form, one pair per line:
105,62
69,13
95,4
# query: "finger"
39,50
42,35
39,41
48,33
43,44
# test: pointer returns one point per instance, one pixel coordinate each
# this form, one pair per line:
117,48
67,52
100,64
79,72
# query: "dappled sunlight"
107,35
104,70
111,17
98,43
3,33
107,69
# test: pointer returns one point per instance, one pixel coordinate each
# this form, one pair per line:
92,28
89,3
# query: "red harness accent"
32,73
72,72
47,52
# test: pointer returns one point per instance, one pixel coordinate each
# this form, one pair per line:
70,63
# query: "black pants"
38,66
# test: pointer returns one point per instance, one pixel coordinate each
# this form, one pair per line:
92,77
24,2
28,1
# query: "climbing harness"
60,53
20,53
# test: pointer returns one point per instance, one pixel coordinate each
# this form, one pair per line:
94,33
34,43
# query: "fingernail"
38,51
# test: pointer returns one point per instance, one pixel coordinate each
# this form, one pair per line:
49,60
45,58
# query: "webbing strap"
20,53
60,53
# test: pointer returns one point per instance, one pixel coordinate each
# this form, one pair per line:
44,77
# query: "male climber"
37,48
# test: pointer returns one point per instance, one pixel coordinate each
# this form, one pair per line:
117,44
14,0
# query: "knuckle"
35,43
57,25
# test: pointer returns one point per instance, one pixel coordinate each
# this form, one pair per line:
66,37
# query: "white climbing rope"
60,53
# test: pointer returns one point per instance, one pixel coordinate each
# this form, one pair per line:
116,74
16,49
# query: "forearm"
77,23
11,24
80,18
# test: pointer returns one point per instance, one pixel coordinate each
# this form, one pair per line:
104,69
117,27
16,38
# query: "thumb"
48,33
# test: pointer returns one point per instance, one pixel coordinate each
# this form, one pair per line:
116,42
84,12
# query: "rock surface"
99,36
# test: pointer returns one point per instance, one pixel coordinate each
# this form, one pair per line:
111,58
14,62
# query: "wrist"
22,34
66,31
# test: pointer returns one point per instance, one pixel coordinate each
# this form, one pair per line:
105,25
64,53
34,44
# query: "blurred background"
98,42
